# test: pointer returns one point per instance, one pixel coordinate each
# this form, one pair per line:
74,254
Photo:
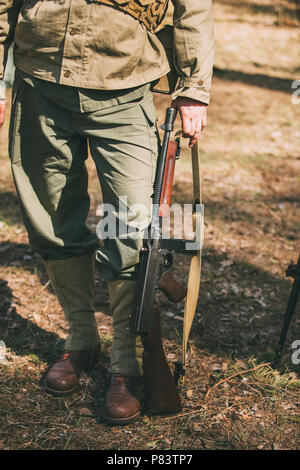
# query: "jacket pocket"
15,117
149,112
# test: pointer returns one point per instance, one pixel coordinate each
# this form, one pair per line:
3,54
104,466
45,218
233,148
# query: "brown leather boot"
63,377
121,406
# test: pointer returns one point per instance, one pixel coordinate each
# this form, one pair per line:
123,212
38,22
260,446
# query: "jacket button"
67,74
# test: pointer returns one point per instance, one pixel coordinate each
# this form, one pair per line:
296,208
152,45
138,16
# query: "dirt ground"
232,398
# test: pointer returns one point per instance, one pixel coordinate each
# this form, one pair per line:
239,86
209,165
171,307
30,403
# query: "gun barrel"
160,168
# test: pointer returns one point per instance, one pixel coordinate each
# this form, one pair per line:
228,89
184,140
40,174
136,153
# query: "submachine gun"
153,273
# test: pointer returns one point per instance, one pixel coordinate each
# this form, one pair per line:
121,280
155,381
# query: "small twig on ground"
182,414
45,286
267,364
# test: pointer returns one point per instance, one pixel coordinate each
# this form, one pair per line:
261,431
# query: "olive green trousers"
50,130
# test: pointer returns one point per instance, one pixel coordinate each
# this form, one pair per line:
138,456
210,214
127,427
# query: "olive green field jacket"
89,45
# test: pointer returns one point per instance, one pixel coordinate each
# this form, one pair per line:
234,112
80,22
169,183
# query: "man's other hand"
193,117
2,113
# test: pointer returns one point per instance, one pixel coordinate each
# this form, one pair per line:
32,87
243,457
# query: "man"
83,75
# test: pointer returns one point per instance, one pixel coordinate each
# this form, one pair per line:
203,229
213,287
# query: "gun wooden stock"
160,388
174,290
167,186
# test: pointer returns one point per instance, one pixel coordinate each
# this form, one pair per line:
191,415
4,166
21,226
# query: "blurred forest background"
232,398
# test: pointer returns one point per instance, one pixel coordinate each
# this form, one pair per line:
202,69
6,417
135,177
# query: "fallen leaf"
151,444
85,412
224,366
241,364
37,317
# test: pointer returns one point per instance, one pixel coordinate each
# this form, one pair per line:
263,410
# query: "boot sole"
120,421
163,412
61,393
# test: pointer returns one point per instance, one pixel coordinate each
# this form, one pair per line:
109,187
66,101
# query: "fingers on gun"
193,122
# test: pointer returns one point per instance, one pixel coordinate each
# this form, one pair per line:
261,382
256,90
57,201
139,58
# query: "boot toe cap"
61,384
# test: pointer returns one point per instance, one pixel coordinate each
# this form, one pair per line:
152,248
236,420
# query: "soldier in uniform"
83,77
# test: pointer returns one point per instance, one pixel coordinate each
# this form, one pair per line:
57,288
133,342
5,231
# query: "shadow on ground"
21,335
260,80
284,10
9,208
239,313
